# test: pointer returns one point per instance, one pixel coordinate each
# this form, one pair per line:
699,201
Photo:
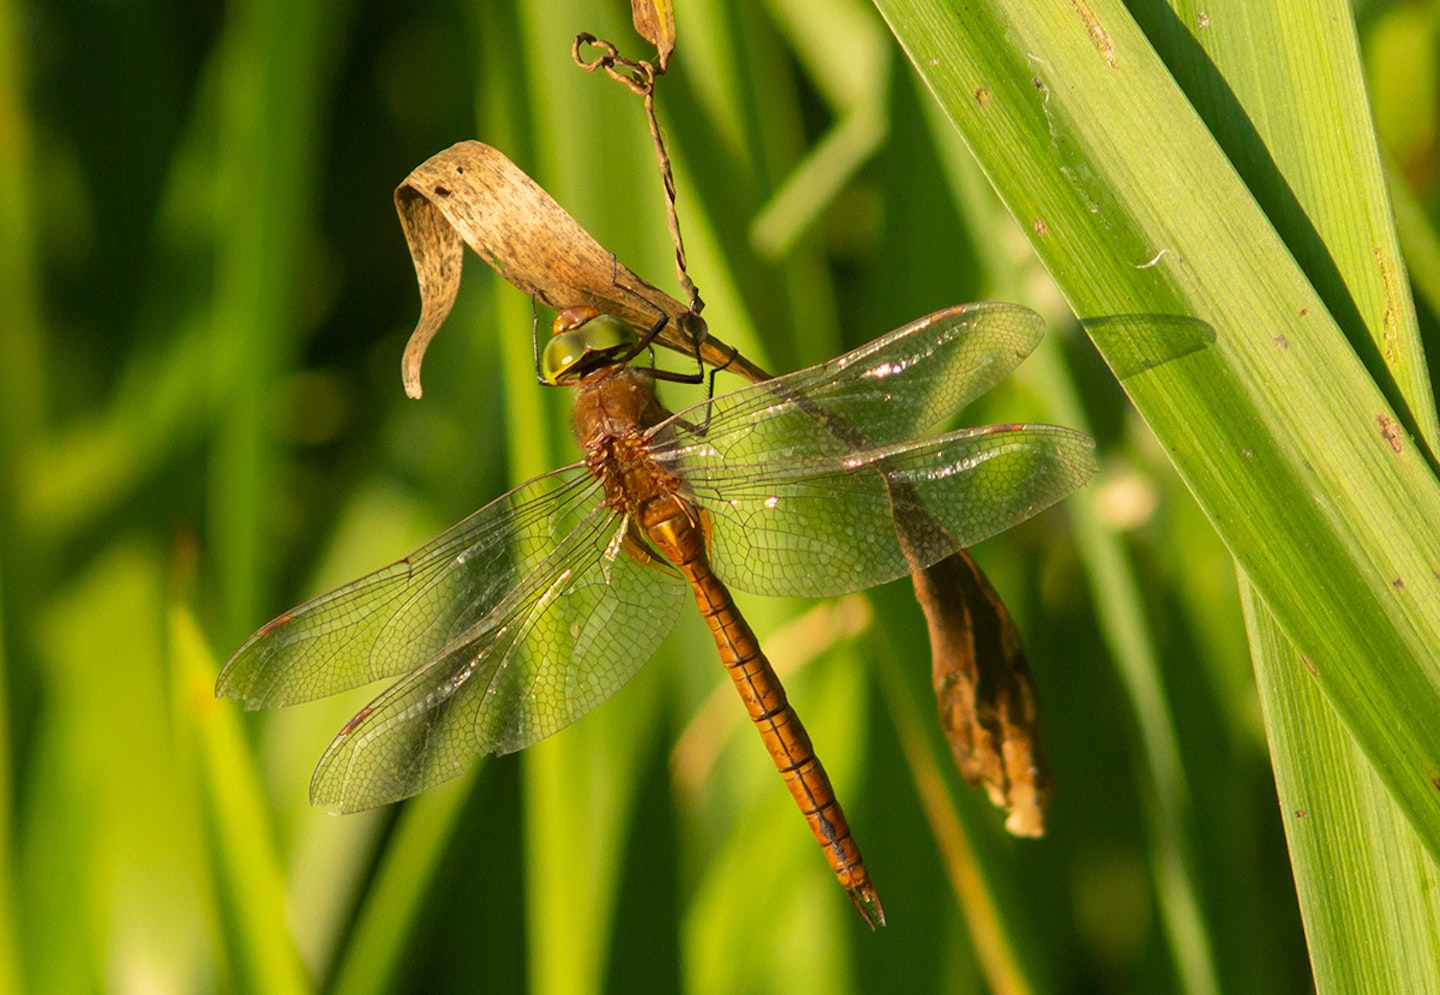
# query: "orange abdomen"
671,525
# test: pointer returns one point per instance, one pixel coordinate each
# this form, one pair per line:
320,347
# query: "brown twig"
639,76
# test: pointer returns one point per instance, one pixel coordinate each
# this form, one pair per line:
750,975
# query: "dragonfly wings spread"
576,628
507,627
393,620
893,387
816,485
833,524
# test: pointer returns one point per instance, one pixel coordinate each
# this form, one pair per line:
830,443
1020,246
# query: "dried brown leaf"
984,692
471,194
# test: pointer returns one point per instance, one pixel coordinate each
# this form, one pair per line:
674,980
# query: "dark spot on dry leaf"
442,191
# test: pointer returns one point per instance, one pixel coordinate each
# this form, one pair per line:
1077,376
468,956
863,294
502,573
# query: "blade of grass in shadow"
1004,969
20,417
1366,927
1418,240
10,966
848,58
395,898
1273,423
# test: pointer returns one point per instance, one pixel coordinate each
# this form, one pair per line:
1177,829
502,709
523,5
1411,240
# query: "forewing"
402,616
825,525
577,627
883,392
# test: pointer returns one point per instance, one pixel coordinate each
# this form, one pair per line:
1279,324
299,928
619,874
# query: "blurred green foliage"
203,297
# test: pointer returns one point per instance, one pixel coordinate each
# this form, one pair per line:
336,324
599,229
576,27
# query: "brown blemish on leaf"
1304,311
982,96
491,205
1096,30
1041,228
1281,341
1310,666
1202,21
983,690
1391,432
1435,780
1300,813
1390,327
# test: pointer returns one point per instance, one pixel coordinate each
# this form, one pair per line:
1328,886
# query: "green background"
204,293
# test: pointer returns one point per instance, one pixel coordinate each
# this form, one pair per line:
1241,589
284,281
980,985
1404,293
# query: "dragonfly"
538,607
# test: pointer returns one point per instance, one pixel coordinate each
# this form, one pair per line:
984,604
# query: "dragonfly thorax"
614,411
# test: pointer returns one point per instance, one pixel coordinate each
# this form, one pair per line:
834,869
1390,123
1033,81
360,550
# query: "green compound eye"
602,337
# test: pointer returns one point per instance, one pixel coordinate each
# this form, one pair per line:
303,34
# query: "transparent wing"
830,524
812,480
579,624
395,619
889,389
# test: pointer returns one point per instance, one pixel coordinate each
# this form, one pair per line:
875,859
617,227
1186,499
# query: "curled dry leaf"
983,689
471,194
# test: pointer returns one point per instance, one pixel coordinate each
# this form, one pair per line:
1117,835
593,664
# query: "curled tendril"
636,74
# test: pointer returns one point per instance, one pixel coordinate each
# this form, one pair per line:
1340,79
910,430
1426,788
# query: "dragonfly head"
582,340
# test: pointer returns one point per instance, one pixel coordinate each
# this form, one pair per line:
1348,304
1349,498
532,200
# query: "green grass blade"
247,871
1275,424
1364,878
274,57
1365,926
